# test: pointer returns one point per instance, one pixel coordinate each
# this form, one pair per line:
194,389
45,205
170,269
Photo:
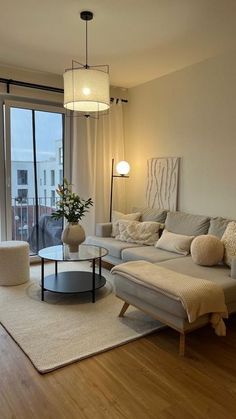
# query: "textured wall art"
162,183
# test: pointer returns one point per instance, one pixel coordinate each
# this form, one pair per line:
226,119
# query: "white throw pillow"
229,241
177,243
146,232
117,215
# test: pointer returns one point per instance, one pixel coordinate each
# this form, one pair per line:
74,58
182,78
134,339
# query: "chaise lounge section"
162,307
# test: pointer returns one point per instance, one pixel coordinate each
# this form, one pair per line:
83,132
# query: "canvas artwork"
162,182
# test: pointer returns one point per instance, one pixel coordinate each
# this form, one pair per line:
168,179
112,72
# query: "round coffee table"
72,281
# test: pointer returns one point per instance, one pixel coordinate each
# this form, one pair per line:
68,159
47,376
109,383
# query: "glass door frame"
5,185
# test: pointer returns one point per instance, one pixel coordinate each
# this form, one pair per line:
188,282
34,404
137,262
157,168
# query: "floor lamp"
122,169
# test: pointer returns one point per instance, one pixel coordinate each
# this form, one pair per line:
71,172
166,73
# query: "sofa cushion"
188,224
146,232
113,246
148,253
233,268
177,243
117,215
220,274
229,241
151,214
218,226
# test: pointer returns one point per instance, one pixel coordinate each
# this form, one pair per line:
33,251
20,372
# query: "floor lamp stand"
111,193
112,181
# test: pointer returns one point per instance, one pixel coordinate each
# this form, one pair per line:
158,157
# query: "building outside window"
21,222
61,176
53,199
30,196
22,195
52,177
60,155
22,215
22,177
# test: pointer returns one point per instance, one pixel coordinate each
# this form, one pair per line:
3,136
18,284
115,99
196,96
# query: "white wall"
192,114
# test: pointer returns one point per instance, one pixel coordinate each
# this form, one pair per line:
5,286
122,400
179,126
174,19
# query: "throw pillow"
173,242
117,215
145,233
207,250
229,241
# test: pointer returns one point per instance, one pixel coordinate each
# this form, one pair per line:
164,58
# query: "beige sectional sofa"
166,309
176,222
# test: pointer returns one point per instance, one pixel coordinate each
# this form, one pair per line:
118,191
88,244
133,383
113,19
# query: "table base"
73,282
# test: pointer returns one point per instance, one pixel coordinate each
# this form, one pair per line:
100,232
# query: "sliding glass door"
34,167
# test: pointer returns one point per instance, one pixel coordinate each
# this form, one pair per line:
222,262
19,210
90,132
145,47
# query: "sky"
48,129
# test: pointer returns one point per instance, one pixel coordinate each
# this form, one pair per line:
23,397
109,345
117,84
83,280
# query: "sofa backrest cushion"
187,224
151,214
218,226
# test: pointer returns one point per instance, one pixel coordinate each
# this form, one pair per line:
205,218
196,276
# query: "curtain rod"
9,82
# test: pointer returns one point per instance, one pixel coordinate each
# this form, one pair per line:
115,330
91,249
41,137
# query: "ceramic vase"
73,235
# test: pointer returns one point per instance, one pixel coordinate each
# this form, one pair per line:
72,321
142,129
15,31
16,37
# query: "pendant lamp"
86,87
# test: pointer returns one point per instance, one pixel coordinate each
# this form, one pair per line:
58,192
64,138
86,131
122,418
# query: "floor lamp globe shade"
123,168
86,90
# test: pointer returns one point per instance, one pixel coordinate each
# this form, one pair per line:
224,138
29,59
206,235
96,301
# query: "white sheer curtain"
94,143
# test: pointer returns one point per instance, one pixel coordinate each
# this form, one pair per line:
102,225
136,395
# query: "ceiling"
139,39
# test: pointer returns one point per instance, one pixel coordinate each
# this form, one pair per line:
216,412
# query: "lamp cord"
86,43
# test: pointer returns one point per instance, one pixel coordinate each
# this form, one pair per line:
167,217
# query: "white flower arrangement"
70,205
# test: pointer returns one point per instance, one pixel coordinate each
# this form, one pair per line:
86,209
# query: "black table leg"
42,279
56,267
93,290
100,267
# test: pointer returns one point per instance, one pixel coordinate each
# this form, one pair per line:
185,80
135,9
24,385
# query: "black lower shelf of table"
73,282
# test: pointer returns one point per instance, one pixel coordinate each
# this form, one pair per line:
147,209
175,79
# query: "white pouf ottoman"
14,262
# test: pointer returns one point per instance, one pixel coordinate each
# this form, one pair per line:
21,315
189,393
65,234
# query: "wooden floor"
143,379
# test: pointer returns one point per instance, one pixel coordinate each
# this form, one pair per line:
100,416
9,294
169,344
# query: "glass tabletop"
62,253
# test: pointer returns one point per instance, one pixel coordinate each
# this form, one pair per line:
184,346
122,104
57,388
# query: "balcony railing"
24,214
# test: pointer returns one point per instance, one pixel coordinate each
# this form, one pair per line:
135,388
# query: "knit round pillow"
207,250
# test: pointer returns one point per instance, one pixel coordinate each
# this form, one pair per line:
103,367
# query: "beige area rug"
67,328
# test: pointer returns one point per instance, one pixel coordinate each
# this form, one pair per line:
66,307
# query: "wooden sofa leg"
123,310
182,344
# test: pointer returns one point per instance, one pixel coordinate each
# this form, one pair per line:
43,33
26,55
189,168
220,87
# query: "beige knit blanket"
198,296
